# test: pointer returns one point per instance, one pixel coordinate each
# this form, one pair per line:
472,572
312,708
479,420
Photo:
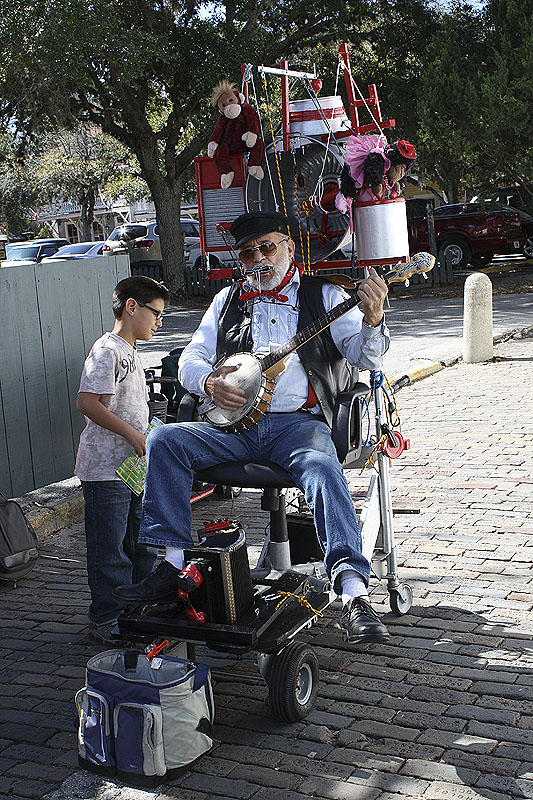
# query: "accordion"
226,591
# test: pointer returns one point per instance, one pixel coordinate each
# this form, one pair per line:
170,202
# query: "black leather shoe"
161,584
361,624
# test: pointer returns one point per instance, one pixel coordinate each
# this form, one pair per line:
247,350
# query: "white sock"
175,556
352,585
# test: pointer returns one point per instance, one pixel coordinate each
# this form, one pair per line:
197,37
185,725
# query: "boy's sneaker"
108,633
160,585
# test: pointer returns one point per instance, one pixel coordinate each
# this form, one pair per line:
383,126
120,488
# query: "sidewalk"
442,712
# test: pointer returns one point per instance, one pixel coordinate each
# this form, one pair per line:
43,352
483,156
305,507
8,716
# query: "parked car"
217,259
501,200
141,240
95,251
31,252
512,196
76,251
467,232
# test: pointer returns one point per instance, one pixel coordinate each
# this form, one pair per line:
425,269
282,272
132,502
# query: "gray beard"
280,270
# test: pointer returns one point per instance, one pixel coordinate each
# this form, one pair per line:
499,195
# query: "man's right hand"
222,393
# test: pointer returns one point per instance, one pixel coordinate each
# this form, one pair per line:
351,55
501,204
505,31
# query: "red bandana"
274,293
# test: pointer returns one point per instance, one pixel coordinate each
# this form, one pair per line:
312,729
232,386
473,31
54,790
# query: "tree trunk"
166,190
167,201
90,215
451,192
84,203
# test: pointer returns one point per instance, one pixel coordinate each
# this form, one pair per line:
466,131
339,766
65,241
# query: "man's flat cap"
257,223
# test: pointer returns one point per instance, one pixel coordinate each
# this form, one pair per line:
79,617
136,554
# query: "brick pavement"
442,712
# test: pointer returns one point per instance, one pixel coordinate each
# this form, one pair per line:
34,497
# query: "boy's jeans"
297,441
114,555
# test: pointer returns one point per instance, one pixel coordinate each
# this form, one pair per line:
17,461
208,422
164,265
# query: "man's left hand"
372,291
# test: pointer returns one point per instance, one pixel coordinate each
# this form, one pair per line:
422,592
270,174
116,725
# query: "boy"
113,397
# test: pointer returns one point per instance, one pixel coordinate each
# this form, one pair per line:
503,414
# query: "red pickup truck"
466,232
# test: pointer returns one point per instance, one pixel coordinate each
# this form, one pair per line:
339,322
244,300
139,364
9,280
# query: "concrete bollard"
477,319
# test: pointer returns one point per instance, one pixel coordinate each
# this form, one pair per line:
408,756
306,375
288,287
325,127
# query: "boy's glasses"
266,248
157,314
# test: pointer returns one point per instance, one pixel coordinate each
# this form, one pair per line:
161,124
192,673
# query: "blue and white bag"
143,720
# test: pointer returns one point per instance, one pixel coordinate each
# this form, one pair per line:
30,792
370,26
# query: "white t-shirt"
114,370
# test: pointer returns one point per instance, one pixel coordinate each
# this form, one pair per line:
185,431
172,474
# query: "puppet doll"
373,170
237,131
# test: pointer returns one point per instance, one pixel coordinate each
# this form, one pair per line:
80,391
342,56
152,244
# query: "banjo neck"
420,263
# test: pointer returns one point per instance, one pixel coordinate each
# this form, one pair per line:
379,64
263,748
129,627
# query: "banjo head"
249,378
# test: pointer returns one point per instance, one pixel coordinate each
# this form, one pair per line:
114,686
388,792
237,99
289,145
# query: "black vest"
328,371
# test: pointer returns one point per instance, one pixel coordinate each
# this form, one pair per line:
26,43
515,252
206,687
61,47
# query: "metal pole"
245,84
285,106
354,116
385,498
431,228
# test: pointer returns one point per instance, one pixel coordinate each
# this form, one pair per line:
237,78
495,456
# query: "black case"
226,592
18,542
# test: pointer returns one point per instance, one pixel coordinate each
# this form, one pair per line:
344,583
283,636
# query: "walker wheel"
401,599
293,682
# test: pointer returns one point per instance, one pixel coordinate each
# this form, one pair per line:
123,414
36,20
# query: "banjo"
256,375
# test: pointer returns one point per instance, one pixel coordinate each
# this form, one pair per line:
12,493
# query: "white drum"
381,230
306,120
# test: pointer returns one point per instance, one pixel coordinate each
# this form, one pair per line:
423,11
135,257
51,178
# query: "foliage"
457,78
142,71
16,196
476,103
507,94
78,165
449,103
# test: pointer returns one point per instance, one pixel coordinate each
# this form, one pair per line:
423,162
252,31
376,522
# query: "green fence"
51,315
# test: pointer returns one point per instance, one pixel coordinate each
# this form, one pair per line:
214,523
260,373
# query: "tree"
476,103
77,164
507,95
142,71
17,197
449,106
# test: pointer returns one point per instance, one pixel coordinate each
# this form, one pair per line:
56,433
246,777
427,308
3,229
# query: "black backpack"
18,542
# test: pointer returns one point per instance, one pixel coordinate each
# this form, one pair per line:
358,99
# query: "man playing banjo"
289,426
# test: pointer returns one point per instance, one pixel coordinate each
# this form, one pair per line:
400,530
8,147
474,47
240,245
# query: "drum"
381,231
307,117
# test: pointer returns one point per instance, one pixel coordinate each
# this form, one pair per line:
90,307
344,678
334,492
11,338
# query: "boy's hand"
138,442
90,405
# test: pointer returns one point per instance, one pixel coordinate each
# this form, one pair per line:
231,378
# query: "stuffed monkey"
236,131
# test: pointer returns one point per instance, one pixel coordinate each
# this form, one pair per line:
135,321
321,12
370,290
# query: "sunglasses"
265,248
157,314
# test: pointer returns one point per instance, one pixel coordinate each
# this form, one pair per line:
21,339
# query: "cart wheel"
293,682
401,599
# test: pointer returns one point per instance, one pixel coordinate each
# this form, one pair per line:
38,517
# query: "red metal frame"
207,176
354,103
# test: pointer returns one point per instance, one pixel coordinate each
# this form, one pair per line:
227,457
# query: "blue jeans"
296,441
114,555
